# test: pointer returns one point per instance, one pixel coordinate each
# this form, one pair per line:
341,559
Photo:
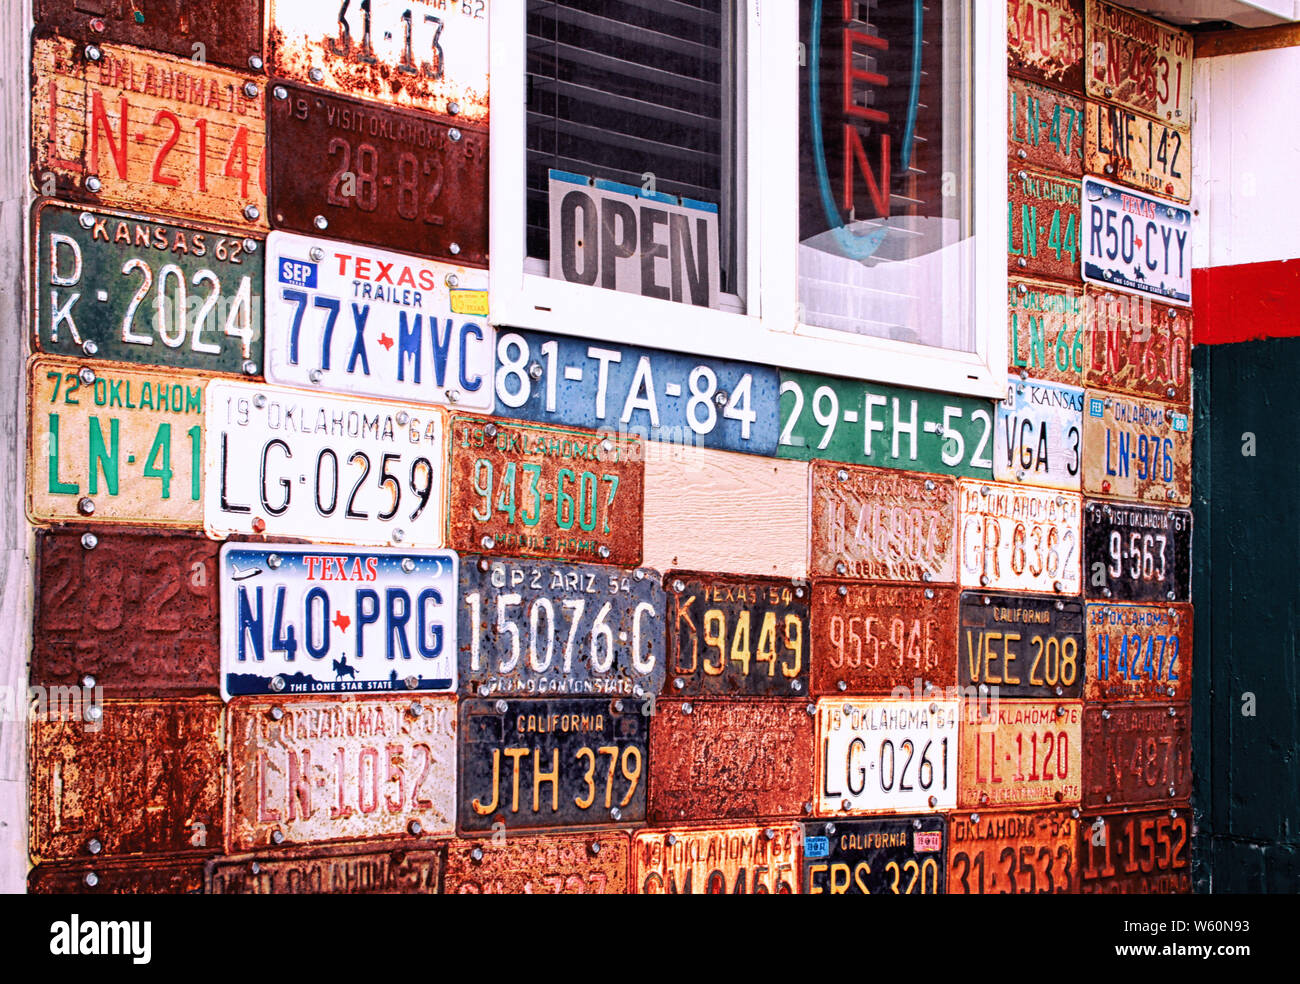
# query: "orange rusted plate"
170,877
1020,753
1045,41
135,611
1137,346
594,864
1138,151
346,869
528,490
1018,645
717,861
873,638
1136,853
124,777
1045,330
882,525
340,768
1044,128
1136,449
1139,652
1018,538
1139,63
1012,853
148,132
1137,755
1043,225
724,759
118,445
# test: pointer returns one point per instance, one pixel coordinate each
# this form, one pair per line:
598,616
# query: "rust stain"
1045,128
744,860
132,878
592,864
1138,347
1137,755
1045,41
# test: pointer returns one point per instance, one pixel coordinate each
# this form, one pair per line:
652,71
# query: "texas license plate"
1135,243
1019,539
1137,449
285,462
1139,347
297,620
550,628
1044,128
886,756
342,870
1139,151
1138,754
888,855
1139,652
1021,753
1045,41
1038,435
118,445
1136,854
1043,225
595,863
1139,63
360,321
129,288
1012,853
1045,335
655,395
1021,645
1144,551
742,860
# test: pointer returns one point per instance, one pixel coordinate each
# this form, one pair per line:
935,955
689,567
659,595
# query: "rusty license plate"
1043,225
589,864
1136,854
1139,652
1045,333
1020,645
1139,63
1137,755
426,54
1138,346
136,612
1017,538
1012,853
717,861
1045,41
1044,128
367,173
539,628
886,756
118,445
343,870
125,777
1144,552
1021,753
737,635
1137,449
1038,435
887,855
135,129
1138,151
530,490
882,525
304,770
875,638
730,759
129,878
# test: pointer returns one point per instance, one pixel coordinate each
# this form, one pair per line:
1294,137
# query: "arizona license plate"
1136,854
717,861
586,864
1044,128
1021,753
1139,652
304,770
296,620
1138,754
1144,551
1045,41
1139,151
549,628
1139,347
1043,225
886,756
1038,434
1137,449
119,445
1021,645
343,870
148,132
1017,538
284,462
1135,243
1045,336
1012,853
658,396
889,855
129,288
1139,63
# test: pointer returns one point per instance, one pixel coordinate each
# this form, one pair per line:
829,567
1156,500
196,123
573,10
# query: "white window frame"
768,333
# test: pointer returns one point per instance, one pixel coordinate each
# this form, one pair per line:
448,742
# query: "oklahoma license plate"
1135,243
289,463
1044,128
1139,652
1137,449
1138,754
1018,645
1139,63
594,863
1136,853
1139,151
1139,347
1019,539
1012,853
889,855
743,860
1045,334
1037,440
338,870
1021,753
1145,552
1043,225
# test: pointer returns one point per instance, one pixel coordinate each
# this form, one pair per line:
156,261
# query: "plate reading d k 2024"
360,321
297,620
1135,243
1038,435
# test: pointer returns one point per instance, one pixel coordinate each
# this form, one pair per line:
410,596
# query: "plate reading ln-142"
1139,151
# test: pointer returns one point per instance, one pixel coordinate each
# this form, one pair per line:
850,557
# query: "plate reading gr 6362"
1137,553
1012,853
888,855
1021,645
1018,538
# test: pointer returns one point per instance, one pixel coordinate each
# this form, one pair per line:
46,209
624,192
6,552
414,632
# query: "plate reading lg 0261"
1139,63
1137,553
288,463
1021,645
1039,434
351,319
1021,753
1045,335
1135,243
1137,449
888,855
1012,853
717,861
1139,652
1018,538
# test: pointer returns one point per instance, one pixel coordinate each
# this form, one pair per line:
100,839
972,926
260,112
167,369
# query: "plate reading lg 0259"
1018,538
1135,243
1137,553
1038,435
888,855
288,463
359,321
1137,449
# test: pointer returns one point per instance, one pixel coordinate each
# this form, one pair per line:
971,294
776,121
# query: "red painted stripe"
1246,301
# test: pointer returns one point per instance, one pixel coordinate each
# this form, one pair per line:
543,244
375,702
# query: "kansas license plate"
657,396
1019,539
1140,553
549,628
118,445
1021,753
360,321
1139,63
743,860
1139,347
1136,854
129,288
1045,334
1138,754
1012,853
148,132
1139,652
284,462
343,870
1045,41
539,764
304,770
1018,645
1137,449
1135,243
886,756
1044,128
296,620
1139,151
1037,441
588,864
872,424
889,855
1043,225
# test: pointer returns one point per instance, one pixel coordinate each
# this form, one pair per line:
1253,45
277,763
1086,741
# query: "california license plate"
1044,128
1037,440
1136,854
1139,63
743,860
1045,41
1135,243
1018,538
367,322
129,288
883,856
1138,754
327,620
1012,853
1045,331
1043,225
285,462
1138,151
1017,645
1137,449
1139,347
1139,652
594,863
1021,753
1145,552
